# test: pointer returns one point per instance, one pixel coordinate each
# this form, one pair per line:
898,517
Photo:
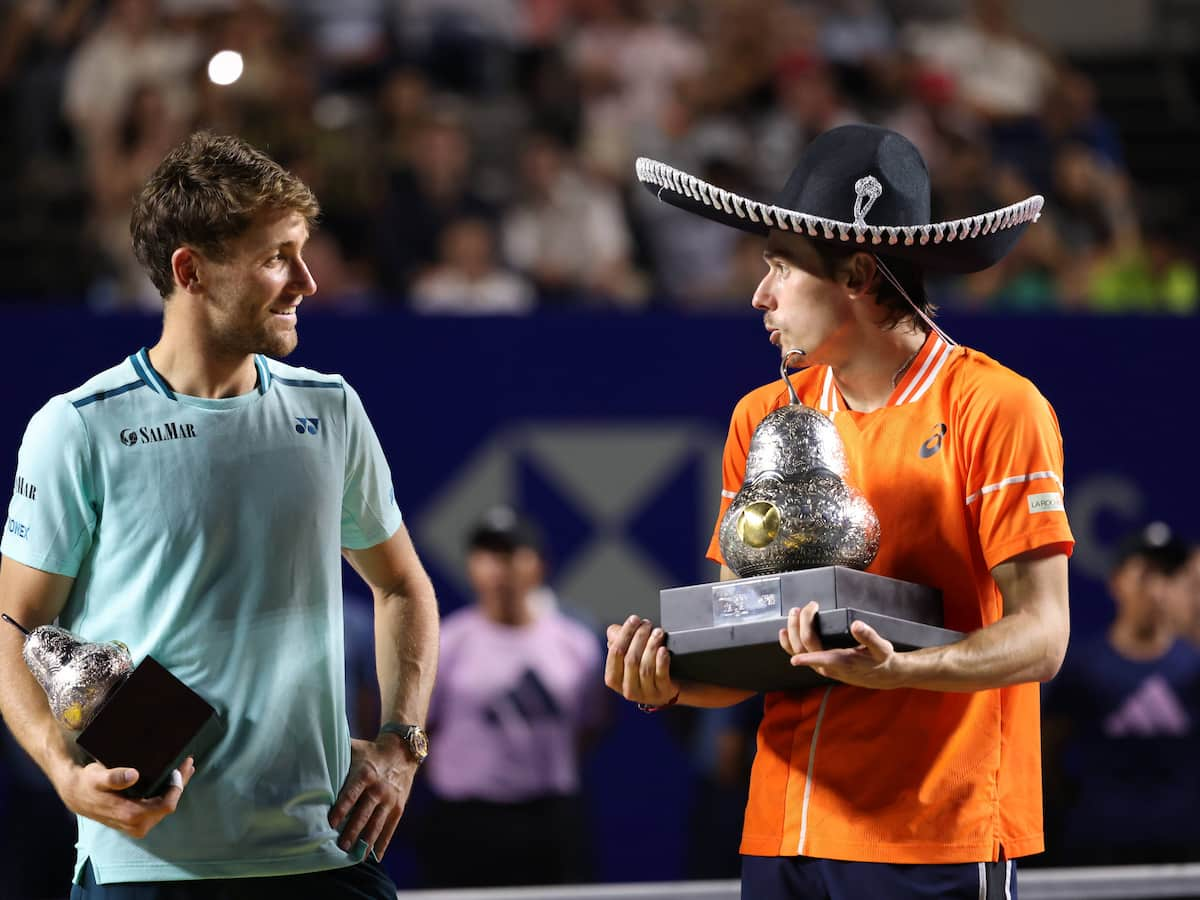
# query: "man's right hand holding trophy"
88,686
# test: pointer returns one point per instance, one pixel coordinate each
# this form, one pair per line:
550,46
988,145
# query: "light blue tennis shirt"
208,533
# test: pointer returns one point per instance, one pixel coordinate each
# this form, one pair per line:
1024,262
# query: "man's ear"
861,272
185,266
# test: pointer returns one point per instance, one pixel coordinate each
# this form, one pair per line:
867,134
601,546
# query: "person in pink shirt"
518,694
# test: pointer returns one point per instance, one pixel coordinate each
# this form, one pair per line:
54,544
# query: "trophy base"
152,722
727,633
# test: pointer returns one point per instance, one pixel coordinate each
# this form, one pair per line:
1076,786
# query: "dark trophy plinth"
151,722
727,632
797,531
124,716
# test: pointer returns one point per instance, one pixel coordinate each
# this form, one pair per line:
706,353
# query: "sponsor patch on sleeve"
1051,502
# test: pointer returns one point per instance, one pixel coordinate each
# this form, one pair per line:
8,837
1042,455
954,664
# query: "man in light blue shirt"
194,501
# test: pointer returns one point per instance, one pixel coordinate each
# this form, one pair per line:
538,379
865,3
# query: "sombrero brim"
959,245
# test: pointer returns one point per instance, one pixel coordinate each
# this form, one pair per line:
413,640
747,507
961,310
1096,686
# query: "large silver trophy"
140,717
795,509
795,532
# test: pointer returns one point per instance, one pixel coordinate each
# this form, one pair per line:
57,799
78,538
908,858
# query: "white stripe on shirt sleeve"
1011,480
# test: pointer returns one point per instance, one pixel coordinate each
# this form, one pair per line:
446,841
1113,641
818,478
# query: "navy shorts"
365,881
805,878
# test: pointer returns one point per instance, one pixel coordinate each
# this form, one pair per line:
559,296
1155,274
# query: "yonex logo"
933,443
307,426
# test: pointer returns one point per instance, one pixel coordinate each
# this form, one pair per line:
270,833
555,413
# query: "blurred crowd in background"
476,156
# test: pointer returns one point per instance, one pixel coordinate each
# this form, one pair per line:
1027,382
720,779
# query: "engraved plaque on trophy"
124,716
794,533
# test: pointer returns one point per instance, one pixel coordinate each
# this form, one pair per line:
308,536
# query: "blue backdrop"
608,429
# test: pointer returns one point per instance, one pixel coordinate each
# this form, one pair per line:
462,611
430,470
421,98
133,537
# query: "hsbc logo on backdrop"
611,478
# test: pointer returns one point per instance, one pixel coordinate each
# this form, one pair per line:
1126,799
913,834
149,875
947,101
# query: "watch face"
419,743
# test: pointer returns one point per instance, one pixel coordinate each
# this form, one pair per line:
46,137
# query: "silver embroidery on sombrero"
653,172
866,191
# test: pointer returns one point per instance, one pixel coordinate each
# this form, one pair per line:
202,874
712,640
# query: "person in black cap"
913,774
517,696
1122,720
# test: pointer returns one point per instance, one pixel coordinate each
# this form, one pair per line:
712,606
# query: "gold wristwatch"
414,737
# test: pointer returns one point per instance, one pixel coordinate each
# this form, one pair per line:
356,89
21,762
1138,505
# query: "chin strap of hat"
793,397
895,282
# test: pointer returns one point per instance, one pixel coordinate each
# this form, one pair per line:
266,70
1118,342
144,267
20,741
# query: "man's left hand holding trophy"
874,663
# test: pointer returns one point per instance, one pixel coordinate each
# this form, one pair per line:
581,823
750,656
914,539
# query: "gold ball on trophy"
72,716
758,524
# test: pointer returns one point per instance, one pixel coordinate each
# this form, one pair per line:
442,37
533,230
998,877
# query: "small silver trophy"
795,532
141,717
77,676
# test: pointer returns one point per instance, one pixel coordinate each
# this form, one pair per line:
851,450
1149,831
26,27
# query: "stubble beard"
236,339
277,344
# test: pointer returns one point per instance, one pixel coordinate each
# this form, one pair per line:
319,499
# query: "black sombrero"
857,184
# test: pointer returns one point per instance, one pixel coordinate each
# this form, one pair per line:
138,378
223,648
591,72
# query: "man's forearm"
34,598
1021,647
406,651
710,696
26,711
1027,644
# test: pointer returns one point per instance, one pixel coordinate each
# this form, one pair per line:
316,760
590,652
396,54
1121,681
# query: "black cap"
502,529
1163,550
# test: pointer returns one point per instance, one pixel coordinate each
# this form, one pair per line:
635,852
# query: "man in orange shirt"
912,774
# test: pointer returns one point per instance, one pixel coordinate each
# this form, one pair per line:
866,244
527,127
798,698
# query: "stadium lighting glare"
225,67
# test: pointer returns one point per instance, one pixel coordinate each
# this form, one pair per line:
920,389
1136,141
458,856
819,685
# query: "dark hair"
205,193
503,530
909,274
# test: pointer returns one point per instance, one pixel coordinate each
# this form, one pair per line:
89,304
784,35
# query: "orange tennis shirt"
964,468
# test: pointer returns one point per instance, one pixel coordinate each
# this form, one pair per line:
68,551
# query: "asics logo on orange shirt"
933,443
